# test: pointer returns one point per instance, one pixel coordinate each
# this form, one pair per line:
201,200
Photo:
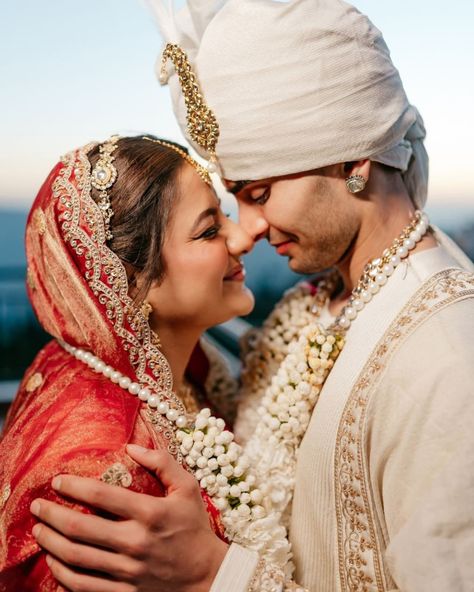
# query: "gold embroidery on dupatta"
117,474
39,220
34,382
108,281
360,563
6,492
30,280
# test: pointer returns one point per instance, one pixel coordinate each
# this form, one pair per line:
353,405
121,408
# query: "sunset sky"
72,71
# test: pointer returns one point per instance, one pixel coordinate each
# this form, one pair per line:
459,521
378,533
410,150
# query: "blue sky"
72,71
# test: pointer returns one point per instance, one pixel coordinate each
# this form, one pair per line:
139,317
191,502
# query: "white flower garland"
253,487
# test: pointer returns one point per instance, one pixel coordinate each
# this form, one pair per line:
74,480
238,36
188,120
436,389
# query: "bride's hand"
163,544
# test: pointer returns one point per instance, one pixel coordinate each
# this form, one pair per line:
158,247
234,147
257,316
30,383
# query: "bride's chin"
248,302
240,304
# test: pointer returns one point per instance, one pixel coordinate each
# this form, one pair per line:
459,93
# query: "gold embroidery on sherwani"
117,474
34,382
360,550
108,281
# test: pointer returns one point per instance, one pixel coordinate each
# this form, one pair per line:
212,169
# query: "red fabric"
66,418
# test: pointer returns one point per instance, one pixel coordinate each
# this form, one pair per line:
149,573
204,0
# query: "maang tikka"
103,176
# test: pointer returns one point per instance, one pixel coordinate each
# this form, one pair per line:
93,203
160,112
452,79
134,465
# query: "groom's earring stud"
355,183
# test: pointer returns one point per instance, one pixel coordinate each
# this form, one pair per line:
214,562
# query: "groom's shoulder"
440,347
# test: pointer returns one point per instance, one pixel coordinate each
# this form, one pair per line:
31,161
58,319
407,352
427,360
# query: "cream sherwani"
384,496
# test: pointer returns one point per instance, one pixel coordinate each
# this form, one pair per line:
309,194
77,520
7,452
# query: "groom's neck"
383,218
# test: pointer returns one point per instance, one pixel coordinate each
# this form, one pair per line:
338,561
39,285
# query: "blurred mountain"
457,221
268,276
12,232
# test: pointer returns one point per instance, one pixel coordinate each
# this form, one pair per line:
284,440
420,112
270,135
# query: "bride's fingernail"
135,448
35,508
49,560
56,483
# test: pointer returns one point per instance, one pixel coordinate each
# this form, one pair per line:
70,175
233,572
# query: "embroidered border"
108,281
360,564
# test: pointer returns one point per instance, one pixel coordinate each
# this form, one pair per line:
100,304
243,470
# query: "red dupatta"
66,418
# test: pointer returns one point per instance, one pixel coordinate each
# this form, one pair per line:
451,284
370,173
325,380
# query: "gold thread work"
117,475
201,122
361,566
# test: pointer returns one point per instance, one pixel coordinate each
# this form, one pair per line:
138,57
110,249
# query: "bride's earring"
146,309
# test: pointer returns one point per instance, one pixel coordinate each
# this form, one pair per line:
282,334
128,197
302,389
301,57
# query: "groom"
325,155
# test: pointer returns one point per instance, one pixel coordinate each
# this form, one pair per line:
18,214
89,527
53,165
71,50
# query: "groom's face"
308,217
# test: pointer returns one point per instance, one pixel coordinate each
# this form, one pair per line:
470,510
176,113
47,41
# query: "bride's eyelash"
210,232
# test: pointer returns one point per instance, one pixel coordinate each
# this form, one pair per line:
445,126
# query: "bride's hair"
142,199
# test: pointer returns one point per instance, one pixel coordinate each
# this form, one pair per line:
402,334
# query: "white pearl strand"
218,463
380,274
124,382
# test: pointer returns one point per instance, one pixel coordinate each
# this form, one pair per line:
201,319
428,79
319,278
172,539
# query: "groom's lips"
282,248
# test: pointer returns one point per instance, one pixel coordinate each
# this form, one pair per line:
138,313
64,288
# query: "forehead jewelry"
103,176
201,171
201,122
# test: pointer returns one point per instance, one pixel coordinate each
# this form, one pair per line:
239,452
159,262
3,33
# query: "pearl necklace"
124,382
377,271
218,463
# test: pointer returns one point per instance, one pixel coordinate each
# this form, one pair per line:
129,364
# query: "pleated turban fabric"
295,86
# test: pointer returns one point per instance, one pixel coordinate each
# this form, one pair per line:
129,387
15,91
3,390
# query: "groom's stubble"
325,221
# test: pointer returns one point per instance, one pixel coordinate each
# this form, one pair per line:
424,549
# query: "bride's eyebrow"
203,215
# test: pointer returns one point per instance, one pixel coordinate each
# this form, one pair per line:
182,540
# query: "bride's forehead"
195,197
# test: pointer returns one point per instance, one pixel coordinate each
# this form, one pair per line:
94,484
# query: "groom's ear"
357,167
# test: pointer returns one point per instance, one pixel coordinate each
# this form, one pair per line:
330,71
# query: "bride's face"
203,282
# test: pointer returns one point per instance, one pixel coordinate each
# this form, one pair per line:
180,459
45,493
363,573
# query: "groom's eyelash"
263,198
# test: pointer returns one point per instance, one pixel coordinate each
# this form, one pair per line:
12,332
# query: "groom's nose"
252,220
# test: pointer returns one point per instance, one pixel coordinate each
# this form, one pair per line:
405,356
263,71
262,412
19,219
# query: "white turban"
296,86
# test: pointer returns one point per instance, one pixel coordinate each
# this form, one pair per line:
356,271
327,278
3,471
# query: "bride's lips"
236,274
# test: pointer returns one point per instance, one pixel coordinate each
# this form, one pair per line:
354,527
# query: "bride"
130,260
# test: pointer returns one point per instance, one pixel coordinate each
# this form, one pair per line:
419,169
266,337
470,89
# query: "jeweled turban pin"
201,122
103,176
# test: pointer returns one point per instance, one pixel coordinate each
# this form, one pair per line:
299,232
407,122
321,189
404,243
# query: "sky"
72,71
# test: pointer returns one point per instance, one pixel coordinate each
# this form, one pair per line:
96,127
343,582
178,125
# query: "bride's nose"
238,240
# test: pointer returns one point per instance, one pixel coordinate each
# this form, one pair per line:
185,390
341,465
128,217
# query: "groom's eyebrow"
203,215
238,186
